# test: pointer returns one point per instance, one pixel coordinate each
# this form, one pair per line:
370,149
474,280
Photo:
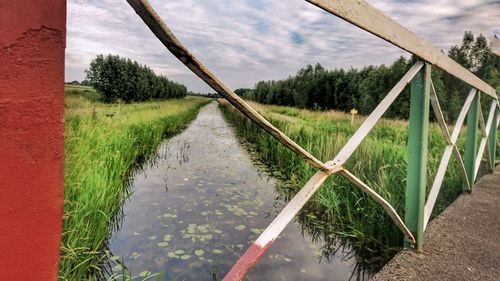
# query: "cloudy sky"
244,41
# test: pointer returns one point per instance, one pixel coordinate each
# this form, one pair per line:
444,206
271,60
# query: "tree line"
122,79
315,87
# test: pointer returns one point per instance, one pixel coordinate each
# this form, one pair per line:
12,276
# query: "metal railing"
422,96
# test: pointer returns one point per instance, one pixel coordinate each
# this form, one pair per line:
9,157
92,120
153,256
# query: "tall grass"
338,209
103,143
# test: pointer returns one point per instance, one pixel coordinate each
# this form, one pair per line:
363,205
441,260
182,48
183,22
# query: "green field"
338,209
103,144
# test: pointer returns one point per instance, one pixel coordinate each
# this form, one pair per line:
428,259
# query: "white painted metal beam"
484,139
461,116
382,202
376,114
366,17
436,185
439,115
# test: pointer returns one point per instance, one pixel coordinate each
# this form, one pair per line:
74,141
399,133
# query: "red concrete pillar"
32,42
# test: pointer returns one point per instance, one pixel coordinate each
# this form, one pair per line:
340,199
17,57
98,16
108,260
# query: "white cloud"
244,41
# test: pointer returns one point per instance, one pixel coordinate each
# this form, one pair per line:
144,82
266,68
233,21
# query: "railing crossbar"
439,115
436,185
484,139
463,171
461,116
379,199
376,114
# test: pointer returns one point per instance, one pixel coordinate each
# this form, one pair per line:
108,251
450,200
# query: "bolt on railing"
422,95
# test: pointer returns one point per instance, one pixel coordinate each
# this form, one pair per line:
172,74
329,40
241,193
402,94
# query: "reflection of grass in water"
103,143
338,209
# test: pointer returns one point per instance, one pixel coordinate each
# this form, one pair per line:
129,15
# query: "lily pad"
216,251
135,255
199,252
171,255
167,237
240,227
163,244
256,230
179,252
185,257
145,273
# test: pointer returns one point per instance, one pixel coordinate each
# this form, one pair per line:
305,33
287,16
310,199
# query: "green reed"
103,144
339,215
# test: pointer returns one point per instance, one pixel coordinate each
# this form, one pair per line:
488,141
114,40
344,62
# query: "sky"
245,41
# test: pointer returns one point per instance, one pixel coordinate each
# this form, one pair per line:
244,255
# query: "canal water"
197,206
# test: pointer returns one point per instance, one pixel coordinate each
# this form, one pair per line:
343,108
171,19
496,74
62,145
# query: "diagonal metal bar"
436,185
487,129
461,116
259,247
382,202
484,139
376,114
165,35
439,115
460,162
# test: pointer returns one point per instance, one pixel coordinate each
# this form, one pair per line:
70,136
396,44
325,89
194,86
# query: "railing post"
492,142
471,140
417,154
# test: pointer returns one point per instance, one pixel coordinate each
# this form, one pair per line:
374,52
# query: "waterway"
199,203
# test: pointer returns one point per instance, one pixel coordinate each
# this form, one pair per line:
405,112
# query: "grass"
103,143
339,214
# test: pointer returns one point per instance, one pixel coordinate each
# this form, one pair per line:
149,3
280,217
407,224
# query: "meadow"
339,215
104,143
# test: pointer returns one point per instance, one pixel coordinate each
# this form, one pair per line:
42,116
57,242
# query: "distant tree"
123,79
317,87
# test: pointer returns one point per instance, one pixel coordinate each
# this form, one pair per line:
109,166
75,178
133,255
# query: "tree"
123,79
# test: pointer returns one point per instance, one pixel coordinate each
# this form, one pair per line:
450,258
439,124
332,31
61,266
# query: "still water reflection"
200,203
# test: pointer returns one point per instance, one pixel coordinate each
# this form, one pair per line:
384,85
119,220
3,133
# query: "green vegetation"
126,80
103,143
338,209
339,89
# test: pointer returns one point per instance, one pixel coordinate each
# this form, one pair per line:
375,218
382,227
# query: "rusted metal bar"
165,35
366,17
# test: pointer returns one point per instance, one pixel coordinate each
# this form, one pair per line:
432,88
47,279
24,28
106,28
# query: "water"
199,204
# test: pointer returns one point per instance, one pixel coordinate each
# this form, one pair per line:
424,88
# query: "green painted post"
492,139
417,154
472,139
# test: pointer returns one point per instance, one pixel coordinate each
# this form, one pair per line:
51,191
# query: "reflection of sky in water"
201,203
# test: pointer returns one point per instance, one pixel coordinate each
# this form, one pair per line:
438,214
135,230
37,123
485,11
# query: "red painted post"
32,42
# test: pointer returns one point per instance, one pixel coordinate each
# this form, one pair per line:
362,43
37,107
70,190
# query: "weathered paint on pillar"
492,139
471,141
32,45
417,154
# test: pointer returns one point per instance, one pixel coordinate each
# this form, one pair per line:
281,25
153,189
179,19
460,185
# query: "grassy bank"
103,143
338,209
